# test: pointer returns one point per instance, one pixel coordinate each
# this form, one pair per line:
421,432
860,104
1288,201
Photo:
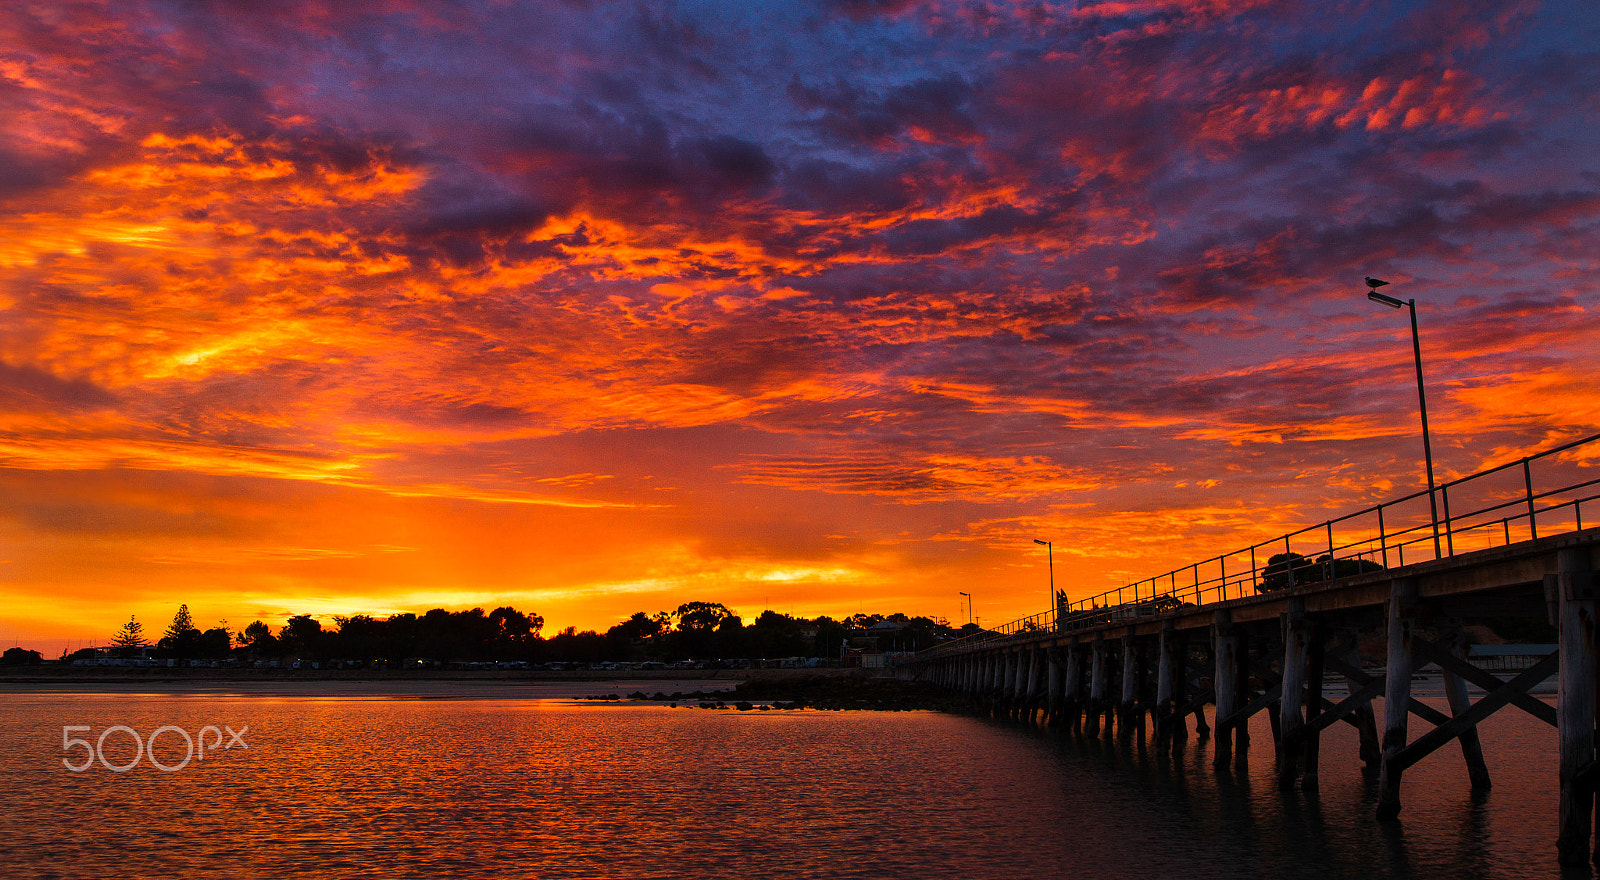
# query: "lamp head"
1037,541
1384,298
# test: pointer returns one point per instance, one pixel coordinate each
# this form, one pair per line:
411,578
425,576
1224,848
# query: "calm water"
514,783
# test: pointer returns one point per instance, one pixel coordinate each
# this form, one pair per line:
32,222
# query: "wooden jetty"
1268,637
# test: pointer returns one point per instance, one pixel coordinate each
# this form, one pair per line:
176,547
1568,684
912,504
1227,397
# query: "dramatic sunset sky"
824,306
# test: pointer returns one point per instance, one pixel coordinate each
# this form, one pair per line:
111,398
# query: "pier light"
1422,398
969,604
1050,554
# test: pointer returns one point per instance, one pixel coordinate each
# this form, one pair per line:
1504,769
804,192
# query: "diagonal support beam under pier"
1419,709
1199,702
1499,697
1451,663
1333,713
1267,698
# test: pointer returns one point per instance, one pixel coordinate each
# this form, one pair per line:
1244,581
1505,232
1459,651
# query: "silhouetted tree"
729,638
258,639
360,637
1285,570
639,626
698,623
302,637
863,621
830,636
402,635
1291,569
579,647
130,638
515,632
20,657
776,635
182,639
637,637
216,643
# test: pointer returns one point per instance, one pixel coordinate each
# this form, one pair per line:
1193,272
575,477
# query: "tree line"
692,631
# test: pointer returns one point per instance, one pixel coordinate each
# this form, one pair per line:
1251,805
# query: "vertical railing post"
1527,479
1449,527
1383,541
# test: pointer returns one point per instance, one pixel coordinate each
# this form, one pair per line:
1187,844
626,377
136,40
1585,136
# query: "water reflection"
538,787
1241,816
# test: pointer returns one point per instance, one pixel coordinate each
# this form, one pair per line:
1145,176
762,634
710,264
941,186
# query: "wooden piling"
1313,732
1397,693
1365,720
1073,690
1052,686
1142,688
1241,692
1014,687
1166,684
1097,683
1575,702
1224,646
1029,689
1296,655
1179,723
1127,705
1455,690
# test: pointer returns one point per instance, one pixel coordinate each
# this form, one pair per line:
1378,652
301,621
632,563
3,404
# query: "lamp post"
969,605
1422,398
1050,554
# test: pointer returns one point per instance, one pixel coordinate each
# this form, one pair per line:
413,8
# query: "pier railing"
1501,505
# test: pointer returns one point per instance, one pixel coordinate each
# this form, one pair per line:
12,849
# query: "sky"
824,306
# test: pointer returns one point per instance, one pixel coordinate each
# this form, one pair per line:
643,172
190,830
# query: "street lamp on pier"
969,605
1422,398
1050,554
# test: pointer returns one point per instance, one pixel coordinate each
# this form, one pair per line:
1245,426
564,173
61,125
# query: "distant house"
864,658
112,655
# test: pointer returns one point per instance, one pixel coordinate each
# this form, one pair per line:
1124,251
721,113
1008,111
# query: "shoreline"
425,683
154,674
788,689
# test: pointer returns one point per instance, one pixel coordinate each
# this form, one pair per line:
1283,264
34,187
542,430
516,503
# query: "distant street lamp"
1050,554
1422,398
969,605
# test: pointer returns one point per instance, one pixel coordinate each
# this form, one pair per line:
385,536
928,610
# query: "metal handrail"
1146,597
